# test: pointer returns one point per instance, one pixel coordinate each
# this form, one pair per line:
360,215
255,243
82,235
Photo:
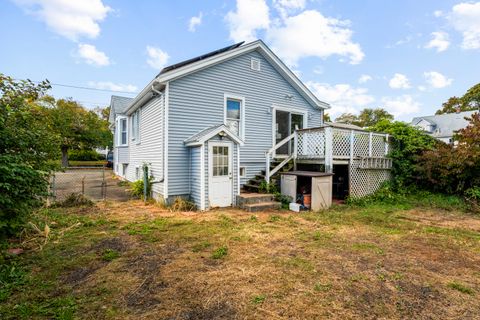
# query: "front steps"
254,202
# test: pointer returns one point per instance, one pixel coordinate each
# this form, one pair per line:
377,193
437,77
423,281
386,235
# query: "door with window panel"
220,175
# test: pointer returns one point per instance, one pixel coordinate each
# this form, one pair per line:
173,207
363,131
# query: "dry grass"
369,263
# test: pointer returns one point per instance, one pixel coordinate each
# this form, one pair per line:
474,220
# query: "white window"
234,114
122,137
255,64
136,126
242,172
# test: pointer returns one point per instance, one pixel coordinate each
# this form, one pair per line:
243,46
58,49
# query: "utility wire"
83,88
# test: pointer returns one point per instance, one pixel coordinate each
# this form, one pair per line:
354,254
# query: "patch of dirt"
220,310
118,244
79,275
143,297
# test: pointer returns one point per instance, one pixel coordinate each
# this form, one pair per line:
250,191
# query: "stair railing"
271,151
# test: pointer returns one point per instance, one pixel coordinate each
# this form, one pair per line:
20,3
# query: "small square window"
255,64
124,169
242,172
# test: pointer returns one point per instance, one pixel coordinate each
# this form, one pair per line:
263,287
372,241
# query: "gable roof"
118,105
208,133
446,124
204,61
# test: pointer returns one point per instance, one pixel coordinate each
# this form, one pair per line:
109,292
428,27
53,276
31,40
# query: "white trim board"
212,144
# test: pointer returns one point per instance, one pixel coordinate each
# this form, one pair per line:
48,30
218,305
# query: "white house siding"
122,154
197,102
150,147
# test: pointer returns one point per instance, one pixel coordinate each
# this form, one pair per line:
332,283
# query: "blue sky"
405,56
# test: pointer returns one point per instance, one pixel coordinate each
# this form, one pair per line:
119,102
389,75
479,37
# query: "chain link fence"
97,184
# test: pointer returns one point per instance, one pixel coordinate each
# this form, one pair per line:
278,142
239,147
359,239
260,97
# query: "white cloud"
107,85
364,78
400,106
157,58
399,81
194,22
342,97
436,79
310,34
91,55
440,41
293,36
250,16
465,18
70,19
438,13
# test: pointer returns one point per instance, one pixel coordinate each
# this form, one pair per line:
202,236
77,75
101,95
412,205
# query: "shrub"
136,188
74,200
472,196
85,155
181,204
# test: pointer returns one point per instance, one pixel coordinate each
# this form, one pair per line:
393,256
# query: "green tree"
370,117
367,117
468,102
407,144
78,128
348,118
27,143
326,118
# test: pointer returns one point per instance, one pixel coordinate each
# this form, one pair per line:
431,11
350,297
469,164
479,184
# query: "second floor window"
233,116
123,131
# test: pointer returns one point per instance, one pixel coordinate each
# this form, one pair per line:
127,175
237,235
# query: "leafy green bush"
472,195
136,188
85,155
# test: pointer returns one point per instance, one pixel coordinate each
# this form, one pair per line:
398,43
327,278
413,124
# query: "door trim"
212,144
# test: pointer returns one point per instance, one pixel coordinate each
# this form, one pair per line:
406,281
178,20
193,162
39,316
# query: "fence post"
104,185
83,186
386,144
295,148
352,142
54,188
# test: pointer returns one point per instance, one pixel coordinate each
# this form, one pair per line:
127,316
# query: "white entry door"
220,174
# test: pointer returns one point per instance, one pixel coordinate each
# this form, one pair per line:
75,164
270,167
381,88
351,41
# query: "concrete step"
261,206
252,198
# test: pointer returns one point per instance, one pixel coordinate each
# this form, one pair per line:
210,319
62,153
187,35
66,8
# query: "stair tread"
263,204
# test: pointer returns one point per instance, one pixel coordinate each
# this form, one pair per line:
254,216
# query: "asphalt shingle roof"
445,124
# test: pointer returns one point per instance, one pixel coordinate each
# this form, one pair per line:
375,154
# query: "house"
208,126
443,126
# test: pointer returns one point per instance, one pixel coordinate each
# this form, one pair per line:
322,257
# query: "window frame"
244,175
120,131
241,126
135,127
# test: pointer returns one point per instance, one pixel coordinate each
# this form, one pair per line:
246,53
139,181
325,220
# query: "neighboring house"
119,126
443,126
208,125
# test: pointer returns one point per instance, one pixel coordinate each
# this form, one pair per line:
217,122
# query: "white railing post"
370,144
267,168
328,150
386,144
295,148
352,141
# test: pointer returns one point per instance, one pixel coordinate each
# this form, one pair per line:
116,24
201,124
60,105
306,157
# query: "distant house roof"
445,125
208,133
190,66
118,105
341,125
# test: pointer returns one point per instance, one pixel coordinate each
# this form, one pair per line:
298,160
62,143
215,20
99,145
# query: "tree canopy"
367,117
77,127
468,102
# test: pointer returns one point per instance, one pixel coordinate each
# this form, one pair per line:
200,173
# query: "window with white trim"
234,114
136,126
122,126
242,172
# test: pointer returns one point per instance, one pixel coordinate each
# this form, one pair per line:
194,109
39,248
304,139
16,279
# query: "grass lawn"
138,261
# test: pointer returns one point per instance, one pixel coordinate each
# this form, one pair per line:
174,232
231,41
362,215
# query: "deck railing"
329,143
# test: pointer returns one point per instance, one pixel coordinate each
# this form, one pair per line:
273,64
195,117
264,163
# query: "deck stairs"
253,185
